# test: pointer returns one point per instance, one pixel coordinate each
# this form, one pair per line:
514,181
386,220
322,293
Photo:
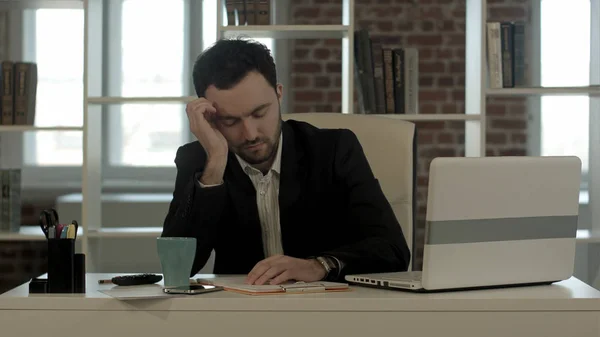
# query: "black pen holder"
61,281
61,266
79,270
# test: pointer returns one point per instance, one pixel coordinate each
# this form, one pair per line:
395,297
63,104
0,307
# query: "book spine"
14,182
264,12
506,36
398,73
250,11
360,101
369,68
520,77
231,15
236,15
7,91
494,55
244,16
362,48
5,204
411,65
255,11
388,80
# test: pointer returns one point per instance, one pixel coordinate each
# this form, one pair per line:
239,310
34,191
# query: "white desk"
570,308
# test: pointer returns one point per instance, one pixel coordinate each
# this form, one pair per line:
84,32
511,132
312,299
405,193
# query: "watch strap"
332,267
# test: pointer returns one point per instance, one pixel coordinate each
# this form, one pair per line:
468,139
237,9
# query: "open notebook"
237,284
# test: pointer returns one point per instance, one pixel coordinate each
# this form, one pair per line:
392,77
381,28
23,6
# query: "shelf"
23,128
556,91
432,117
586,236
26,233
140,100
287,31
35,4
29,233
126,232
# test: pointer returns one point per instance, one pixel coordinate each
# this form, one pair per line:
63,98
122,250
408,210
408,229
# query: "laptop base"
385,285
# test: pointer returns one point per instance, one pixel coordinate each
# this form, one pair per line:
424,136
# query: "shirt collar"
276,166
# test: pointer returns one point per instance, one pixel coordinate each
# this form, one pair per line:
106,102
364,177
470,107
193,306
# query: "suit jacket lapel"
291,181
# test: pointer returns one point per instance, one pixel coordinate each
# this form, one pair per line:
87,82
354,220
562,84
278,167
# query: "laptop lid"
500,221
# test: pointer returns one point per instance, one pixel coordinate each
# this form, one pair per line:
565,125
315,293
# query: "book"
10,200
25,92
494,55
237,284
7,93
18,92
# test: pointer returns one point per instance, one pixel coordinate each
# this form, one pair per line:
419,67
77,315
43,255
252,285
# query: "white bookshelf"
126,232
289,31
474,117
29,233
27,128
121,100
432,117
555,91
34,4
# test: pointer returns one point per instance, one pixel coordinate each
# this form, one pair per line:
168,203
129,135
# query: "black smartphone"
192,289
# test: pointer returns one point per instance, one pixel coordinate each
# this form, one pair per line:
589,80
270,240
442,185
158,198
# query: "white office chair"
390,147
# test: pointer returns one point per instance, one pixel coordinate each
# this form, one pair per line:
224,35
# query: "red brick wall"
22,260
437,29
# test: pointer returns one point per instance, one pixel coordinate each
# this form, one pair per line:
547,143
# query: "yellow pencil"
71,231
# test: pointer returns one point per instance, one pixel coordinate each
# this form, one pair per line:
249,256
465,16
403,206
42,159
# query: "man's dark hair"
228,61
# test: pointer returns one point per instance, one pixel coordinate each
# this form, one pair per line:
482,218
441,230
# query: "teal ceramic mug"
176,259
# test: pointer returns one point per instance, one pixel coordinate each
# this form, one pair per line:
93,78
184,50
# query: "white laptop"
494,222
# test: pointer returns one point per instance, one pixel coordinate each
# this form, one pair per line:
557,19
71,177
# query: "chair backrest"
390,147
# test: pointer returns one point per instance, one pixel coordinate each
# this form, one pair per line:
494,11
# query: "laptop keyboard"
405,276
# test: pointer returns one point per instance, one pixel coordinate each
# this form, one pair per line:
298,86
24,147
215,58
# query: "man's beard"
272,147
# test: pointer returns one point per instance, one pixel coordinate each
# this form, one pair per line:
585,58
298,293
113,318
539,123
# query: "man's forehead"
223,113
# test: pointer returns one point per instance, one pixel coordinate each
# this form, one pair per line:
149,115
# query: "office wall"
437,29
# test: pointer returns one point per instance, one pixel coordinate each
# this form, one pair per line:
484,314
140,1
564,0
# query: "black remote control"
134,280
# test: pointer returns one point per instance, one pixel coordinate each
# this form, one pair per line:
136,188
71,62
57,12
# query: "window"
149,49
55,42
565,61
151,64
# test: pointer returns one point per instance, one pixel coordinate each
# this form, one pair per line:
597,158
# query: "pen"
76,229
63,232
71,231
60,230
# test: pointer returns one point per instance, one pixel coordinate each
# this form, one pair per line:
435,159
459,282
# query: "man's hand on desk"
280,268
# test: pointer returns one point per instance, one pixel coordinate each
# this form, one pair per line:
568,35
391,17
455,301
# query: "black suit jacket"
330,204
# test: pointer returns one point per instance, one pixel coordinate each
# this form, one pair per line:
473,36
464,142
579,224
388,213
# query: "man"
276,200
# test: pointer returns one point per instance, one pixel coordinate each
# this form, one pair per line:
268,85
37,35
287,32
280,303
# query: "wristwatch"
329,265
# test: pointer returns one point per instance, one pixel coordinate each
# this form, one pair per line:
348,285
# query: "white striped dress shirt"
267,200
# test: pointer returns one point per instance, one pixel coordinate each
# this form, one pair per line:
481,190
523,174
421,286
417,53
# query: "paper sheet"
152,291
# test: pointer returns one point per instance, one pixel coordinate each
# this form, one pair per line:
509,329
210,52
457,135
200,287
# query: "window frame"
66,179
534,104
127,175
